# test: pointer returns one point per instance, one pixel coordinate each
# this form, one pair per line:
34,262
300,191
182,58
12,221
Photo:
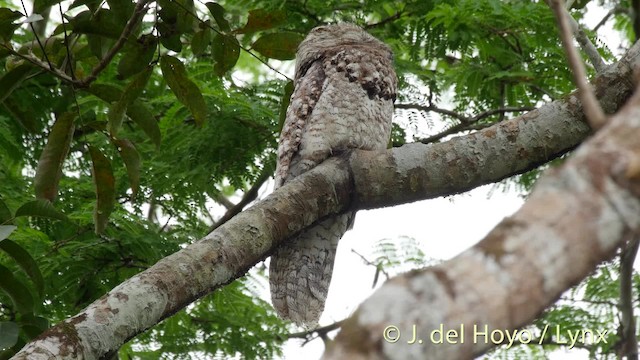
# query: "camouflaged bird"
345,86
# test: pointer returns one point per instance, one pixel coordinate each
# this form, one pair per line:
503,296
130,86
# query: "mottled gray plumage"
345,86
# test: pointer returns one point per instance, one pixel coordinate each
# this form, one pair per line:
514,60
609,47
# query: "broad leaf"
25,261
116,116
261,19
13,78
281,45
132,161
201,40
5,213
143,117
104,182
52,158
40,208
40,5
16,291
133,90
7,25
104,23
185,90
137,111
169,36
226,51
218,14
137,57
8,334
123,9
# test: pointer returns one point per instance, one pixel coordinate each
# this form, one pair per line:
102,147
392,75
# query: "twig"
321,331
377,266
66,44
138,11
222,200
248,197
593,112
587,46
41,64
629,342
391,18
466,123
616,10
265,63
128,29
44,53
434,109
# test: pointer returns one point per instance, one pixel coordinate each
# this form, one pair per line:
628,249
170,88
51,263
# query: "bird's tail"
300,271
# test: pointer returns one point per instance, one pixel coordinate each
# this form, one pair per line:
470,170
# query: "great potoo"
345,86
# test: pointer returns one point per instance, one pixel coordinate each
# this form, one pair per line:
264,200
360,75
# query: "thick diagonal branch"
576,217
364,180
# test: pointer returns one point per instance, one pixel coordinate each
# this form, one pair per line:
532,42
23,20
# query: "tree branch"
391,18
358,181
138,12
577,216
248,197
321,331
587,46
592,110
466,123
628,340
616,10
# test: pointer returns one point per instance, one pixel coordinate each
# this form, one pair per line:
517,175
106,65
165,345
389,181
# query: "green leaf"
123,9
218,14
6,230
137,57
16,290
169,37
7,26
91,4
133,90
201,40
33,325
106,92
5,213
281,45
261,19
40,5
132,161
8,334
142,116
49,168
104,182
104,22
13,78
116,116
185,90
137,111
40,208
25,116
25,261
99,45
226,51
